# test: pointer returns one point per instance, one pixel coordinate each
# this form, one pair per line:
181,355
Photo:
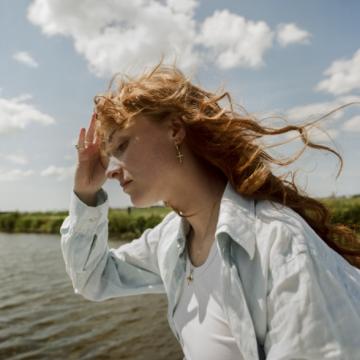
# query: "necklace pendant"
190,277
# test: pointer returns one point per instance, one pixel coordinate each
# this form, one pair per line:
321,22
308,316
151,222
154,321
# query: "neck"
201,207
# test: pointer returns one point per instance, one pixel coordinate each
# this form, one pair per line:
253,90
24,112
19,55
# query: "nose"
114,168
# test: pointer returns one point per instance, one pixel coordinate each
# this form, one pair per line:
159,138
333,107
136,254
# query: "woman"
248,263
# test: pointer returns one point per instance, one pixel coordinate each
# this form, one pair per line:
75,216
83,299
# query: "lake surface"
42,318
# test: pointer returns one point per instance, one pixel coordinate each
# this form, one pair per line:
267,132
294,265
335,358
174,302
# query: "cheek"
155,158
165,155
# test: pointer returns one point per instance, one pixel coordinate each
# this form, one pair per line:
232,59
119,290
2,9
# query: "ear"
177,130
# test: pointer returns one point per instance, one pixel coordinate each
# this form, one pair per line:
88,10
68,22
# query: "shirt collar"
236,218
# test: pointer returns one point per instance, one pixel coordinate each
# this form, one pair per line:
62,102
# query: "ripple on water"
42,318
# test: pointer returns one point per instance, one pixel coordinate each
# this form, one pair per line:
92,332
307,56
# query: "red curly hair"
225,134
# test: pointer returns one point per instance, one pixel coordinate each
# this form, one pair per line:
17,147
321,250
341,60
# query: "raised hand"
90,172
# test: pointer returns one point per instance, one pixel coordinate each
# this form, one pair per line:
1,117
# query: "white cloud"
121,35
118,36
60,173
25,58
321,130
235,41
343,76
14,175
315,110
15,158
16,114
321,135
183,6
316,134
352,124
22,98
291,34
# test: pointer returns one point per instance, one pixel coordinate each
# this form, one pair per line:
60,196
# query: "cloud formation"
352,124
291,34
118,36
234,41
60,173
14,174
25,58
315,110
331,119
321,135
343,76
115,35
16,114
15,158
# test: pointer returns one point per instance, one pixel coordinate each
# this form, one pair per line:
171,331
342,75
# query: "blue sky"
295,58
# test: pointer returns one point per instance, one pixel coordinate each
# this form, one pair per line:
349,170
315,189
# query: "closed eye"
121,147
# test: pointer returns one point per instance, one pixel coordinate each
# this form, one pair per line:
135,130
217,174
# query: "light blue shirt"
286,294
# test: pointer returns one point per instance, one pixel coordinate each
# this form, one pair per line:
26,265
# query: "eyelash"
121,147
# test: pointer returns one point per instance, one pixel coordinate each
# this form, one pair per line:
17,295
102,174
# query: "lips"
126,182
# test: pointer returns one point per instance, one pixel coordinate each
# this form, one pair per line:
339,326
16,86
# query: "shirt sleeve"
98,272
313,301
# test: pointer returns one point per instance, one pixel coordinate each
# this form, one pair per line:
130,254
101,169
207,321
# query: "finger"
81,140
97,140
91,129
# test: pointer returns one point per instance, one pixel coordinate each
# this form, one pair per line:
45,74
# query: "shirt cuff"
79,209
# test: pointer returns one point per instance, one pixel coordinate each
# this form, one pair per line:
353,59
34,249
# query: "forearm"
100,273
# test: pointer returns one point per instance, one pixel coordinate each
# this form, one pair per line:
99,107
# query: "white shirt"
284,288
199,316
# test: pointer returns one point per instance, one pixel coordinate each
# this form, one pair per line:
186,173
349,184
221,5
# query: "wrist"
90,199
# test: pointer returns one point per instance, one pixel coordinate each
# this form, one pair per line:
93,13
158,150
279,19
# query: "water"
42,318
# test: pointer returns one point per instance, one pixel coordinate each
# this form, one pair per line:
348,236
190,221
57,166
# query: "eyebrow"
108,142
110,139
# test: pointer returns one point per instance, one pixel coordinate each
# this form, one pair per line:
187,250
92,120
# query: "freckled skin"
149,159
145,153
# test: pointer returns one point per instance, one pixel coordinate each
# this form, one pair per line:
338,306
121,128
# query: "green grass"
344,210
127,224
122,224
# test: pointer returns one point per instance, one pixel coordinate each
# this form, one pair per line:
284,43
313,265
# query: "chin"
142,202
142,197
138,201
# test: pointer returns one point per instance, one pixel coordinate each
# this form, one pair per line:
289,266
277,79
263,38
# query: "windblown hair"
226,141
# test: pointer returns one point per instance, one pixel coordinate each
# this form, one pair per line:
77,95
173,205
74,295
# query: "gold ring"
79,147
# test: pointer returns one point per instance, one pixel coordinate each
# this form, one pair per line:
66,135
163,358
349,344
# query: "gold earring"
179,154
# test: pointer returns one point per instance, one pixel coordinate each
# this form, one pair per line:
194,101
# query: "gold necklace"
190,277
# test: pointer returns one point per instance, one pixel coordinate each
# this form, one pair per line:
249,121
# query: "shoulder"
169,222
269,211
283,233
152,236
148,245
286,236
167,229
166,225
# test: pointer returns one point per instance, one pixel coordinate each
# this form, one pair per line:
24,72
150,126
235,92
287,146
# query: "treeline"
127,224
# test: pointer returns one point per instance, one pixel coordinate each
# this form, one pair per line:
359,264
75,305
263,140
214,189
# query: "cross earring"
179,154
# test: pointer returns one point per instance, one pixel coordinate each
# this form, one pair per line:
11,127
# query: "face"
145,154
